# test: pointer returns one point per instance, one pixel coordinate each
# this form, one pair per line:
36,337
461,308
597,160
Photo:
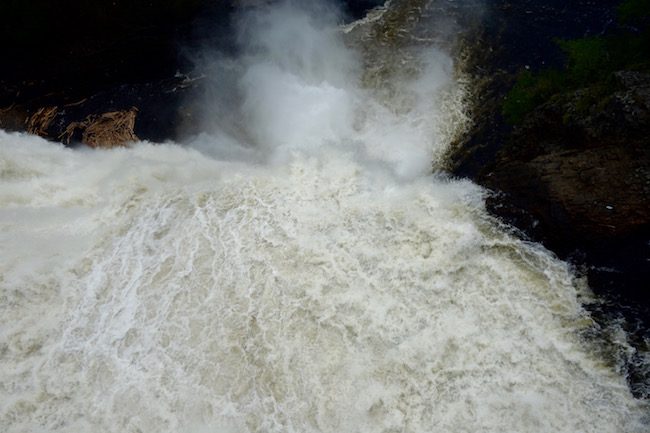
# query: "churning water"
297,269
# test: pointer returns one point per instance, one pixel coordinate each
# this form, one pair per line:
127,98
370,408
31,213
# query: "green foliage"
588,59
633,10
590,64
529,91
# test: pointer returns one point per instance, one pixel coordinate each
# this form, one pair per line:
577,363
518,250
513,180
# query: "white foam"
315,280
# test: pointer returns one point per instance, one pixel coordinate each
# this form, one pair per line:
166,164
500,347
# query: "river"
303,266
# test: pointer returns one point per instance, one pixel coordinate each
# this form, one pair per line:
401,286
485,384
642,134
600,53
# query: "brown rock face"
584,173
39,122
578,179
588,196
575,173
106,130
13,118
114,117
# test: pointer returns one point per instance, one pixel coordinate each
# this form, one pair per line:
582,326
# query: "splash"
296,269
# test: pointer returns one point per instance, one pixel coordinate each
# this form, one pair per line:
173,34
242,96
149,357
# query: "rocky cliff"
562,115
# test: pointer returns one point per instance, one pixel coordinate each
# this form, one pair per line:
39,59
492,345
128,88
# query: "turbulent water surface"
296,269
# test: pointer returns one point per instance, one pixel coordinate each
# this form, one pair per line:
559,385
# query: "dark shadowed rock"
575,173
71,66
153,109
583,177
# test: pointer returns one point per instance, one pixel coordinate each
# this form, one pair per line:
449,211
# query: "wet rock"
581,198
581,185
154,110
113,129
575,174
13,118
69,68
39,122
583,174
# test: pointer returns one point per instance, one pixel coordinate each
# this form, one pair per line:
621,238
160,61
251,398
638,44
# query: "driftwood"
107,130
39,122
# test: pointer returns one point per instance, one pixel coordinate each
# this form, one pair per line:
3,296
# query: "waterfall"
302,266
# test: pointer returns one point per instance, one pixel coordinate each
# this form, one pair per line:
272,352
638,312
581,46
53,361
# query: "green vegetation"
590,65
631,11
530,91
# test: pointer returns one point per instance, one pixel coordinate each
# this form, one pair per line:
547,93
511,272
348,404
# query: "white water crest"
297,269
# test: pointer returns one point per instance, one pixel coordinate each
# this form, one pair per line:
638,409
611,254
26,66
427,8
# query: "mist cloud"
295,87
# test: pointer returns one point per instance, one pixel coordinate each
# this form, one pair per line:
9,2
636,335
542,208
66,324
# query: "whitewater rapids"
313,277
